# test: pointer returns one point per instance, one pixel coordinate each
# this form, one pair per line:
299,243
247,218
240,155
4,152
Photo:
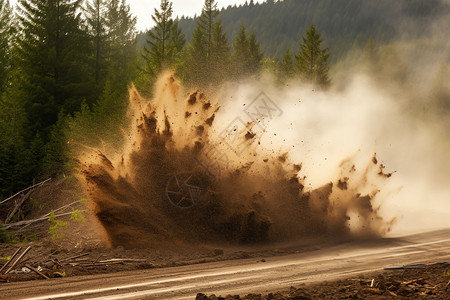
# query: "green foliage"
63,74
77,216
343,23
220,54
56,226
95,14
286,66
312,61
247,56
158,53
121,34
208,54
7,237
55,155
20,151
205,24
6,33
164,45
51,59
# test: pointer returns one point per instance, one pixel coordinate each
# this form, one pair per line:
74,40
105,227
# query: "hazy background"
143,9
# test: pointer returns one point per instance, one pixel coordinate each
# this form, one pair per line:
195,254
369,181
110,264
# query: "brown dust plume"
258,196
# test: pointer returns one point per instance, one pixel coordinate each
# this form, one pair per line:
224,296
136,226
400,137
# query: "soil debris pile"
174,181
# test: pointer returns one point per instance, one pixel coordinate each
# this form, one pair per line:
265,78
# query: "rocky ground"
424,282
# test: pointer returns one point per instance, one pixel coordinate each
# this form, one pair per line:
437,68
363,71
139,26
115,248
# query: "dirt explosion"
174,181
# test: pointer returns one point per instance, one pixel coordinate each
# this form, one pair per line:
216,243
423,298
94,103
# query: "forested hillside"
343,23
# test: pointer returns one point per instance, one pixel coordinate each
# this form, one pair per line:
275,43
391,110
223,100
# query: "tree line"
210,58
344,24
66,65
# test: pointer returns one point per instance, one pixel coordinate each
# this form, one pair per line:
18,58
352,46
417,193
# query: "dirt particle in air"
206,106
210,120
249,135
193,98
200,129
374,159
343,183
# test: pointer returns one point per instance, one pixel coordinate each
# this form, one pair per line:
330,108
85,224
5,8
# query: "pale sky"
143,9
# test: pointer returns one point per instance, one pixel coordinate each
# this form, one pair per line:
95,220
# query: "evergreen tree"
286,66
311,60
196,69
240,52
165,41
5,40
247,56
20,150
177,42
220,54
51,59
206,23
121,37
157,55
208,52
95,17
255,55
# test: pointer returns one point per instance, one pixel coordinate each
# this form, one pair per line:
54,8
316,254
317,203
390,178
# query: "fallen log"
10,260
24,190
73,257
119,260
37,271
17,260
27,222
17,207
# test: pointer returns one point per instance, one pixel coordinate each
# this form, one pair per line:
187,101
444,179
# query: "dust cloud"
256,162
200,167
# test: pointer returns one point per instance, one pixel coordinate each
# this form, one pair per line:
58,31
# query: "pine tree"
311,60
220,54
197,61
247,56
51,59
5,41
95,17
206,23
19,149
177,42
208,51
120,43
240,52
157,55
255,55
286,66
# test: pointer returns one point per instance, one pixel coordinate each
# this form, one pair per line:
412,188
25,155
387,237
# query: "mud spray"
257,163
243,186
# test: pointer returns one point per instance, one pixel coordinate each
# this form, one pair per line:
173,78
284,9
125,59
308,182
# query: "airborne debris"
136,196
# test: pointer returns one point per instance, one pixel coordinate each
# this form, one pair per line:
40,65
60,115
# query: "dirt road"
242,276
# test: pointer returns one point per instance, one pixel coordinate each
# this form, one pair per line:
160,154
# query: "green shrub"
77,216
55,226
7,237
